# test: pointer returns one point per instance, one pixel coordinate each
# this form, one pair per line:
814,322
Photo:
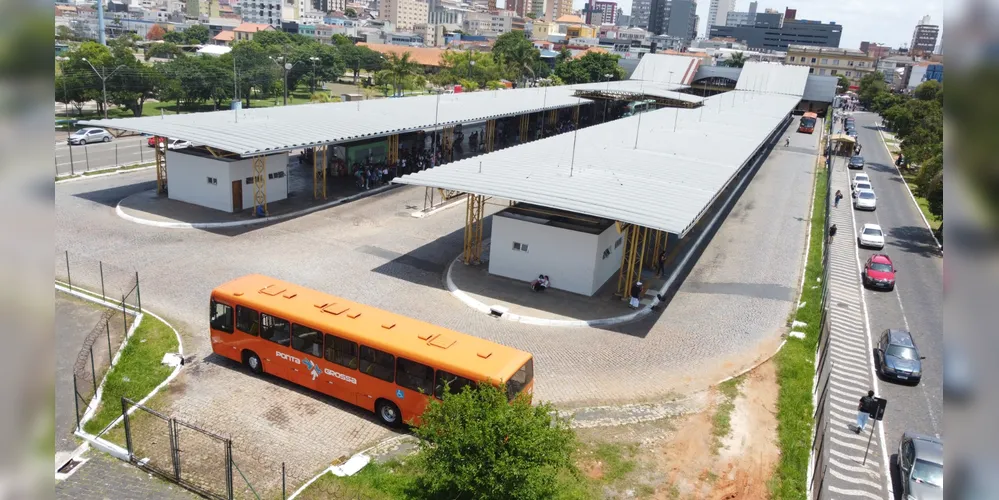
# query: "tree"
870,86
843,84
255,71
477,444
79,79
457,66
351,13
590,68
134,82
271,38
165,50
516,55
197,34
736,60
532,15
400,69
65,33
927,91
174,37
155,33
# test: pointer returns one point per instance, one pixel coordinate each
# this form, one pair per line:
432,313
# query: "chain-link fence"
115,283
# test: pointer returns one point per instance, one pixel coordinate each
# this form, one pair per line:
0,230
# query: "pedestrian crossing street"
851,361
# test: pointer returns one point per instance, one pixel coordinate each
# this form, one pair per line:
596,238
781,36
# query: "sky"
884,21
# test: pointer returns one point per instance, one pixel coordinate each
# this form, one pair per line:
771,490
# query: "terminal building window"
519,247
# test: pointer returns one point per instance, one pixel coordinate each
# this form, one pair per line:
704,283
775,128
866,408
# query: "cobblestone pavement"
730,311
104,477
74,318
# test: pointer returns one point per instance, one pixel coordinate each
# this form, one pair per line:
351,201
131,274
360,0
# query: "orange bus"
807,124
386,363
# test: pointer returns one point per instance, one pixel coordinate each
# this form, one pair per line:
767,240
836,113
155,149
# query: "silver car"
89,135
920,465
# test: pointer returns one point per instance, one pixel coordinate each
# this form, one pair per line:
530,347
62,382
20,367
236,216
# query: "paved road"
730,310
917,302
118,152
74,319
104,477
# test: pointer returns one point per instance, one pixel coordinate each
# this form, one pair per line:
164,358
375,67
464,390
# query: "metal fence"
211,464
80,162
116,283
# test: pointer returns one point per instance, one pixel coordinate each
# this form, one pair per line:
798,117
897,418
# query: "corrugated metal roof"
665,183
657,68
773,78
642,87
267,130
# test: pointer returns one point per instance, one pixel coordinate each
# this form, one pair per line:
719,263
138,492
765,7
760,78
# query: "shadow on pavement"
111,196
913,239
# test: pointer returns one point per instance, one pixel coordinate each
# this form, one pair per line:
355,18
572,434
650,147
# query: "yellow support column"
447,148
393,149
490,135
474,210
260,183
631,259
161,170
525,127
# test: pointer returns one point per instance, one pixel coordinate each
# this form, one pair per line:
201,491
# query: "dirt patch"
680,458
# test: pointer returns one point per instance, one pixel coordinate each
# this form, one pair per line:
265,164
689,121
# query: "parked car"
88,135
871,236
859,177
920,465
861,186
898,357
178,144
151,141
865,200
856,162
879,272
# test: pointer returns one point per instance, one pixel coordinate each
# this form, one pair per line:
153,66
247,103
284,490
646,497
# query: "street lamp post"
313,59
286,67
104,80
471,64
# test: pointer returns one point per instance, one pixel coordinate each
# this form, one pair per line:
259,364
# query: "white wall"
187,177
277,188
606,267
567,257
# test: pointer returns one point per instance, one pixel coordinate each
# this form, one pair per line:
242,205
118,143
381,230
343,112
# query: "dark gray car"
920,466
857,162
898,358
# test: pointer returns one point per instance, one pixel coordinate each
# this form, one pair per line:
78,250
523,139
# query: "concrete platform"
482,291
151,209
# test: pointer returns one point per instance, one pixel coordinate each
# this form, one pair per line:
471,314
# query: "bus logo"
345,378
313,368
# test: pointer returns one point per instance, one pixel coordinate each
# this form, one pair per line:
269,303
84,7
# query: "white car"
871,236
177,144
860,177
861,186
865,200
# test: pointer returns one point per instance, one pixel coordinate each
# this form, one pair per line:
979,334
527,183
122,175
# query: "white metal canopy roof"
773,78
641,87
251,132
666,69
665,183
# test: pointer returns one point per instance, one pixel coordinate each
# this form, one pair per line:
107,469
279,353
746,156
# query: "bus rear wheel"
388,413
252,361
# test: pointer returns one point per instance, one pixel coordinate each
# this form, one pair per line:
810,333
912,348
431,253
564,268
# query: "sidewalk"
852,373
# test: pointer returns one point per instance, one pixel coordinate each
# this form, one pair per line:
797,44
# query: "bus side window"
247,320
221,317
414,376
455,384
342,352
275,329
378,364
306,340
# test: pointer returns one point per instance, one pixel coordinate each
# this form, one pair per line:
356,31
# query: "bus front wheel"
252,361
388,413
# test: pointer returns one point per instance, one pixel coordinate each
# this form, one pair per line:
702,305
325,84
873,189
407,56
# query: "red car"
152,141
879,272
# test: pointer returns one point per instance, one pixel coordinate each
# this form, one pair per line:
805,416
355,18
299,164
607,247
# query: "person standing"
832,233
839,196
864,409
661,264
636,292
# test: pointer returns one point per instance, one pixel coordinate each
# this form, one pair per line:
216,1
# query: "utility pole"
104,82
313,59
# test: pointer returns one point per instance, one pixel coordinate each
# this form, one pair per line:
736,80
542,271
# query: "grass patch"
796,366
618,460
138,371
910,180
645,491
721,422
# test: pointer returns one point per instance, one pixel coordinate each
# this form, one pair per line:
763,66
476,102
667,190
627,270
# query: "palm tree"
737,60
400,68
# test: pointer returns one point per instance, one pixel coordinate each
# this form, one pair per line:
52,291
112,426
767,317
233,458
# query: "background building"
623,19
924,37
742,18
640,10
823,61
403,14
555,9
681,20
718,12
605,13
765,35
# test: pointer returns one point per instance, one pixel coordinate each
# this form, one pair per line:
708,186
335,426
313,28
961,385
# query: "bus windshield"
520,380
808,121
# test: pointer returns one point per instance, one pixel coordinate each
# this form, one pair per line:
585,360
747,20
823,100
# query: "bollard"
124,316
86,152
138,294
68,277
116,154
71,172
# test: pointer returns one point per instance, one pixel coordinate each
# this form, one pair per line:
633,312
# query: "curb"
109,172
96,441
217,225
912,196
440,208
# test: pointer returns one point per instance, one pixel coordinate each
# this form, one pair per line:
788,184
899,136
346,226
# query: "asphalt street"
916,304
119,152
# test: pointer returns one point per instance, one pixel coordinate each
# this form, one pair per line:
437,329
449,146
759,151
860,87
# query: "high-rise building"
622,18
681,19
718,12
520,7
765,35
824,61
403,14
657,17
924,37
640,10
742,18
555,9
604,13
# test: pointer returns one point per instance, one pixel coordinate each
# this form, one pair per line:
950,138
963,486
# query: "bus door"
414,386
278,356
339,377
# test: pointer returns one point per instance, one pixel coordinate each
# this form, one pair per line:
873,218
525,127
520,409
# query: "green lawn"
138,371
796,367
910,179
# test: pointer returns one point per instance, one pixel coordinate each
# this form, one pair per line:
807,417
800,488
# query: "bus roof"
455,352
810,114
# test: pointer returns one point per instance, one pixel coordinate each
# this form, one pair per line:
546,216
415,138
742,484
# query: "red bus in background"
807,124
